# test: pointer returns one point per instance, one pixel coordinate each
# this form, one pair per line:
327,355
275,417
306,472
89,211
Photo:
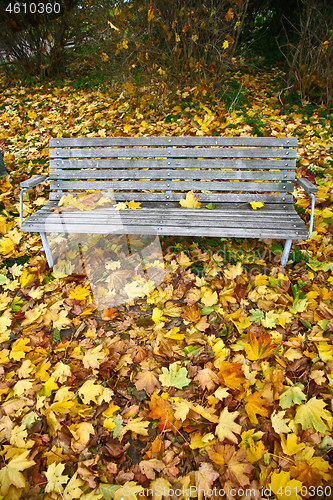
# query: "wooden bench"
229,172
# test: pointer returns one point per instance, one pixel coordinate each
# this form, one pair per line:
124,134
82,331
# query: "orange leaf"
161,410
256,406
259,348
232,375
191,314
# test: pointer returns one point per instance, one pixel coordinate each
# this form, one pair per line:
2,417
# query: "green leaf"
256,315
173,377
293,395
108,490
210,206
4,280
207,310
190,348
118,420
16,304
295,291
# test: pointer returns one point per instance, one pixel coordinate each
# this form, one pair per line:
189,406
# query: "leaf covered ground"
219,377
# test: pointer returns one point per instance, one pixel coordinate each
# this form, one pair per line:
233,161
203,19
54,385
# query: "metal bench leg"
286,251
47,250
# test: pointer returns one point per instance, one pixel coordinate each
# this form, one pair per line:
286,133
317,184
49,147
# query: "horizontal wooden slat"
174,174
108,219
204,197
174,153
173,163
176,185
220,210
232,232
174,141
173,207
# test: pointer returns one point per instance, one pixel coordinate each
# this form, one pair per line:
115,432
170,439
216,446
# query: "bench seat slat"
173,174
173,153
176,213
173,141
199,230
152,163
176,185
110,221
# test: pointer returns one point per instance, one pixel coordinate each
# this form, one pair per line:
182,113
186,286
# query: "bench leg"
286,251
47,250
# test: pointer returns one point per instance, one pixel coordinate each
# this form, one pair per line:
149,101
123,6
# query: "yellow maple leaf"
18,436
73,489
325,351
110,410
233,271
311,413
225,44
61,372
255,450
80,292
21,387
191,201
55,479
133,205
121,206
109,423
19,348
81,433
26,278
198,441
62,320
289,444
5,321
282,485
135,425
184,260
11,473
209,297
7,247
279,423
227,428
256,204
89,391
256,405
157,315
93,357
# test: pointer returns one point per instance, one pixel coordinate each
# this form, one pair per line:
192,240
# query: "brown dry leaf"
207,379
238,469
204,479
147,380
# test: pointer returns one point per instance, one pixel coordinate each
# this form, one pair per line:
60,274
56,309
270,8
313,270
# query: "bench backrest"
226,169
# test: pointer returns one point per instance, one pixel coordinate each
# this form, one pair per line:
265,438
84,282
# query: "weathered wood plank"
175,185
174,174
173,153
173,141
203,197
167,230
185,221
220,210
173,163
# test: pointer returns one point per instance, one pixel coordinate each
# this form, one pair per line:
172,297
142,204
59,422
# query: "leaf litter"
219,376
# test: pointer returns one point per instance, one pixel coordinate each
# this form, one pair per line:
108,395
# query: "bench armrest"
33,181
26,185
310,189
307,185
